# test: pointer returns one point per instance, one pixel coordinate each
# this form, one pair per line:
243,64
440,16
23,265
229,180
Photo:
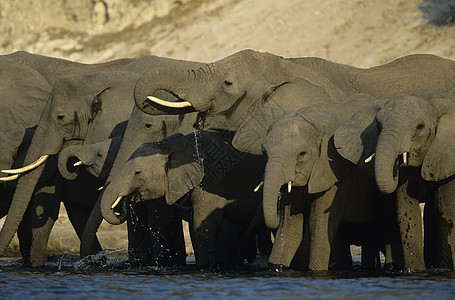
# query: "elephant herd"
295,159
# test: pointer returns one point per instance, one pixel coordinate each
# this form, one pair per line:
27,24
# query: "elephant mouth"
200,121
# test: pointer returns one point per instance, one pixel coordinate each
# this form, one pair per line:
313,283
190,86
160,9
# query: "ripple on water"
115,278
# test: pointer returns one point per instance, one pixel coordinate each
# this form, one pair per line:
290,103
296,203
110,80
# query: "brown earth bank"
363,33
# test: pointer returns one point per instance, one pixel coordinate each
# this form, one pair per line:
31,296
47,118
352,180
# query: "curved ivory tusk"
370,158
117,201
170,103
31,166
78,163
100,188
289,186
405,158
259,186
9,178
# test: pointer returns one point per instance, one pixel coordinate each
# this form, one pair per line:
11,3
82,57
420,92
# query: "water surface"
66,277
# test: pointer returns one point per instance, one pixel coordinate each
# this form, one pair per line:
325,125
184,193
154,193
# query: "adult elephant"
247,91
410,139
219,179
81,108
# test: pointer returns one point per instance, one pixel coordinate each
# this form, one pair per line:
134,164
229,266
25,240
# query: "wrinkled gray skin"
421,126
97,159
221,183
247,91
81,109
299,149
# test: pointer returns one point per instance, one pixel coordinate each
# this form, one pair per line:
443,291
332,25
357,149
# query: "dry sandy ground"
358,32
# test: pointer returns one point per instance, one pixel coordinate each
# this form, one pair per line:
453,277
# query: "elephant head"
81,109
161,169
96,158
403,131
244,92
299,151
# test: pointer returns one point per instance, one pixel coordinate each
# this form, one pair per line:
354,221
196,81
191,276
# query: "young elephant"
330,190
409,139
97,159
219,180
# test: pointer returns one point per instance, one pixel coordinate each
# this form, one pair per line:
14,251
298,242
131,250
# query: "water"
66,277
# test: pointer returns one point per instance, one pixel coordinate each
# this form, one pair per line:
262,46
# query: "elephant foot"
279,268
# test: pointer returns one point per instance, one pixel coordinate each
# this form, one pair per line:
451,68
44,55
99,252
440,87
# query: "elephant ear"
355,140
97,104
438,163
322,177
250,134
183,171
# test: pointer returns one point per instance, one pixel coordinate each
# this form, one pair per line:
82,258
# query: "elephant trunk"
108,197
89,242
386,162
273,180
181,83
23,193
63,160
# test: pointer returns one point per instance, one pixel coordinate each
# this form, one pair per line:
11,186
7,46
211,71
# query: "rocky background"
363,33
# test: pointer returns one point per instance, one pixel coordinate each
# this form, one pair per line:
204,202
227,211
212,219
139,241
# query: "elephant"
68,118
408,139
329,191
97,159
218,179
249,90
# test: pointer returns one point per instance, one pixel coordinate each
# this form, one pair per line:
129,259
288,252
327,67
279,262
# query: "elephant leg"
45,209
410,219
207,222
340,256
444,218
388,230
430,234
24,234
78,216
289,234
138,240
165,235
325,218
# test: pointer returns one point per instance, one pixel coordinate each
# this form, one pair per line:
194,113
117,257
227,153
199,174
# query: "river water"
66,277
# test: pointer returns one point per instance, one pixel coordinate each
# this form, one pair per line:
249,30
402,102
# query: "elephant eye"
60,117
137,172
227,82
420,126
302,153
100,154
148,126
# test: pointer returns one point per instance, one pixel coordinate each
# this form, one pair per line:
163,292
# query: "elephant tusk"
100,188
259,186
79,163
117,201
31,166
370,158
289,186
170,103
405,158
9,178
